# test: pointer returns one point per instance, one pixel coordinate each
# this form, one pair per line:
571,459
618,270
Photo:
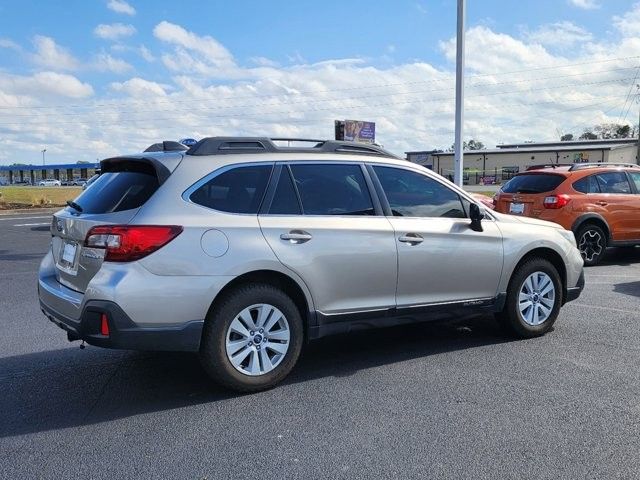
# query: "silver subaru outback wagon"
242,250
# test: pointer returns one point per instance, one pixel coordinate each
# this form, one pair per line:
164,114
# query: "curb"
29,211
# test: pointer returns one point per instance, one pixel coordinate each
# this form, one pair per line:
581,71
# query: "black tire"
592,243
213,354
510,318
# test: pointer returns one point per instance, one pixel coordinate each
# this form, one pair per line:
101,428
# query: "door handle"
296,236
411,239
602,204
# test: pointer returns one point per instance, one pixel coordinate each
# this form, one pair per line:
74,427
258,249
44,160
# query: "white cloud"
45,84
146,54
51,55
585,4
120,6
7,43
139,87
517,88
562,35
629,23
114,31
106,63
200,54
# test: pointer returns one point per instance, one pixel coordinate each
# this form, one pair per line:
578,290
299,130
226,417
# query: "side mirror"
476,214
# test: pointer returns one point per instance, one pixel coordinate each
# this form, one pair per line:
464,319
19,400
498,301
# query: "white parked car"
49,182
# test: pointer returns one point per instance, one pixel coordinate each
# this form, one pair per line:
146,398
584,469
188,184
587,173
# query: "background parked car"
599,202
90,181
49,182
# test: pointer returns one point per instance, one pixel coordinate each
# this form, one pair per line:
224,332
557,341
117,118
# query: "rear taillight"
556,201
126,243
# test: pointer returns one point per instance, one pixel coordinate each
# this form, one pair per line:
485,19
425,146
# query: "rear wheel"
252,338
592,243
533,299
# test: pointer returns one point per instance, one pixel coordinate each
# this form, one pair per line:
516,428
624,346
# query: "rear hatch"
524,194
114,198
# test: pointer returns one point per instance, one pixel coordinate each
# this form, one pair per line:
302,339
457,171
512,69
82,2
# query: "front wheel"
592,243
533,299
252,338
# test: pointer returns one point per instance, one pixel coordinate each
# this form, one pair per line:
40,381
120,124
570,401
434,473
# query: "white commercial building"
501,163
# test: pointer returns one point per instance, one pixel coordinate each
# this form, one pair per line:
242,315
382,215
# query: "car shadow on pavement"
620,256
71,387
628,288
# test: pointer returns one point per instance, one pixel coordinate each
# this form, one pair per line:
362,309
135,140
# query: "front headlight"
568,235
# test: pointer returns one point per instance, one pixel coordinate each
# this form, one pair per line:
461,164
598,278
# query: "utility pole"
459,155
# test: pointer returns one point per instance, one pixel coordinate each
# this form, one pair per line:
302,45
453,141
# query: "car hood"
502,217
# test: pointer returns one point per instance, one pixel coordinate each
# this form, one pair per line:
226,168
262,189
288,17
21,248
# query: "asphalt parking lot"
424,401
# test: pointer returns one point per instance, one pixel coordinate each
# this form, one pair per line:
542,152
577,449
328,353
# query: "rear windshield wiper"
74,205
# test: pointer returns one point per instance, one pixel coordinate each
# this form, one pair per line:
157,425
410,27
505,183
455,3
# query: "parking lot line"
598,307
30,224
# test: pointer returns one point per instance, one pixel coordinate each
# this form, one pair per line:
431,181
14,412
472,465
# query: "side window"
411,194
332,189
613,182
238,190
587,185
285,199
635,176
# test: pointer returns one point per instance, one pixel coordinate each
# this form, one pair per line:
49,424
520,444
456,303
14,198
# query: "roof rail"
548,165
231,145
581,166
166,146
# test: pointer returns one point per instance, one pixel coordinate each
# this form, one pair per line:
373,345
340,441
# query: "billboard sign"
356,131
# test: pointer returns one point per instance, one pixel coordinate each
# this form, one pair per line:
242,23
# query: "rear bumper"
123,332
574,292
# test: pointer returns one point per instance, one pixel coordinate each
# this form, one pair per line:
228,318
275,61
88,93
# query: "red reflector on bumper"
104,325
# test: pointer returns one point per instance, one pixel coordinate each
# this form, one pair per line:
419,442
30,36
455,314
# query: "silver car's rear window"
118,191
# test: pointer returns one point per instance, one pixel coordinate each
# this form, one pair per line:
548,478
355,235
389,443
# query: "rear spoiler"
163,164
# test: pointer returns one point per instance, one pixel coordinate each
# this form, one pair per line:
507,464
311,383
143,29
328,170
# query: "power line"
332,90
192,109
342,107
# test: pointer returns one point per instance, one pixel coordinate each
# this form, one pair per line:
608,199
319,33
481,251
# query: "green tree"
567,137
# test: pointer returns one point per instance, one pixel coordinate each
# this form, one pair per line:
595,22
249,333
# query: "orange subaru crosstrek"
600,202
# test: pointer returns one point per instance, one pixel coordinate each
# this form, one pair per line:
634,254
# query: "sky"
88,79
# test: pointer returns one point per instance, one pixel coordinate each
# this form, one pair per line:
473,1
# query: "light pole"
43,150
459,155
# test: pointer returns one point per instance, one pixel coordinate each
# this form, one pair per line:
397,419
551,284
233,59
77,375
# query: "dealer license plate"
516,208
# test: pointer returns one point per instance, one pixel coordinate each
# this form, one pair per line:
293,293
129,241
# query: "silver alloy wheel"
537,298
257,339
591,245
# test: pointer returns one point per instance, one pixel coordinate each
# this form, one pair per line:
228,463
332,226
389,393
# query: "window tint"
533,183
613,182
411,194
119,191
285,199
238,190
332,189
635,176
587,185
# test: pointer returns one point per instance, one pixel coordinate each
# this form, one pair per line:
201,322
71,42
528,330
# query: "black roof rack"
581,166
231,145
548,165
166,146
